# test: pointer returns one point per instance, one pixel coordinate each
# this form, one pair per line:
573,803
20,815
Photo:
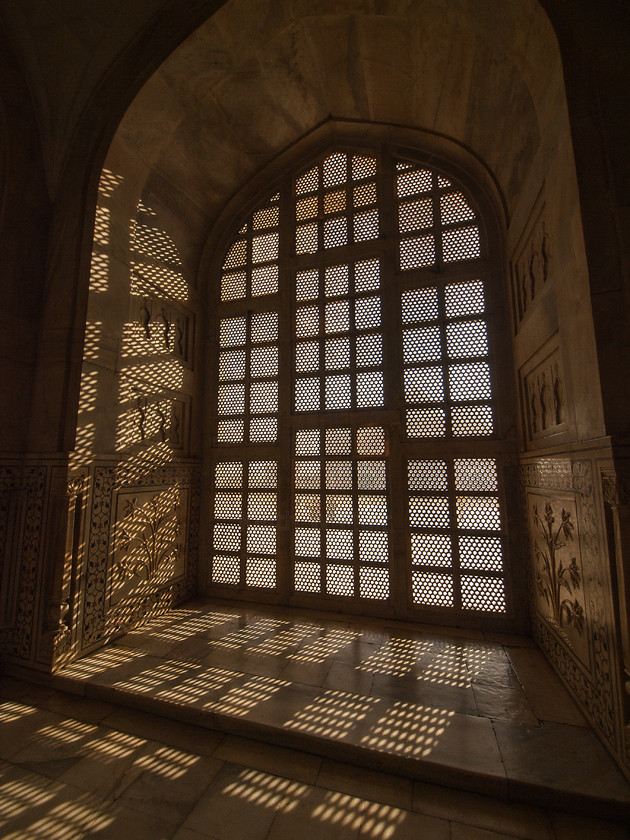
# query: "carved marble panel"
178,429
120,588
149,544
557,572
531,263
543,393
30,483
584,660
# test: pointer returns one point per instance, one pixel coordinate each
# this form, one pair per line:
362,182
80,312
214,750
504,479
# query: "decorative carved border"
30,480
593,687
99,622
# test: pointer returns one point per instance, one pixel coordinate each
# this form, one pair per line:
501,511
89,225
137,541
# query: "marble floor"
73,768
264,720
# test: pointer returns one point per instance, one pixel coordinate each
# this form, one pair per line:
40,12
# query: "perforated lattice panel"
456,527
336,203
353,311
255,253
341,492
446,370
244,535
247,404
337,337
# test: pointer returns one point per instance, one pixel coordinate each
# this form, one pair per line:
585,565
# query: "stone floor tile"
384,822
319,814
170,784
78,707
344,676
188,834
503,703
359,651
119,822
193,649
184,736
251,697
489,663
241,804
306,673
110,763
368,784
492,814
459,831
269,758
461,742
28,693
545,692
54,810
561,757
338,715
19,790
53,748
574,827
20,723
149,642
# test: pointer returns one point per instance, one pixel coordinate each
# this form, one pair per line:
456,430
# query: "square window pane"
339,509
306,356
337,316
369,350
374,583
338,441
339,580
307,507
370,390
371,475
424,384
336,280
426,422
335,232
422,345
339,475
337,353
307,395
307,577
338,392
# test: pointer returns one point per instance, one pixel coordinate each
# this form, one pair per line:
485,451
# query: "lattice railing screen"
354,387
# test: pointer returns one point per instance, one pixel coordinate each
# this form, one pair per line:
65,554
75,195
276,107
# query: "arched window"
357,456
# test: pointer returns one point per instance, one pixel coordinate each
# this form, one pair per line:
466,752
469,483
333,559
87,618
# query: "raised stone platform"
453,708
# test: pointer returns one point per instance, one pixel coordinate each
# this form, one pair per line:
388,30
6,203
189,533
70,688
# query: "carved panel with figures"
544,394
531,264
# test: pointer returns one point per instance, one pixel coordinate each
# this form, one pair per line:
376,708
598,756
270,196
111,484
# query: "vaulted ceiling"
256,77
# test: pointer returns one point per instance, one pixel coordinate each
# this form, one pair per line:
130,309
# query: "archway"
190,141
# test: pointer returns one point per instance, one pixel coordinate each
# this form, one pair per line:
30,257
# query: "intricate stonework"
108,608
543,393
31,481
531,261
589,675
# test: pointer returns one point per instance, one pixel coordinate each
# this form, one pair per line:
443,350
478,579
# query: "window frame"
501,445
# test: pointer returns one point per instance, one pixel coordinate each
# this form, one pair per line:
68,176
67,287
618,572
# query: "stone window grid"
451,213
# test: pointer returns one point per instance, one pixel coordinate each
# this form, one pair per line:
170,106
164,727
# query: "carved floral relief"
558,576
149,542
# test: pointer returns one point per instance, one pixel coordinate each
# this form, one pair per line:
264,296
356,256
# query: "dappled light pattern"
427,661
133,422
406,725
141,775
336,714
361,683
